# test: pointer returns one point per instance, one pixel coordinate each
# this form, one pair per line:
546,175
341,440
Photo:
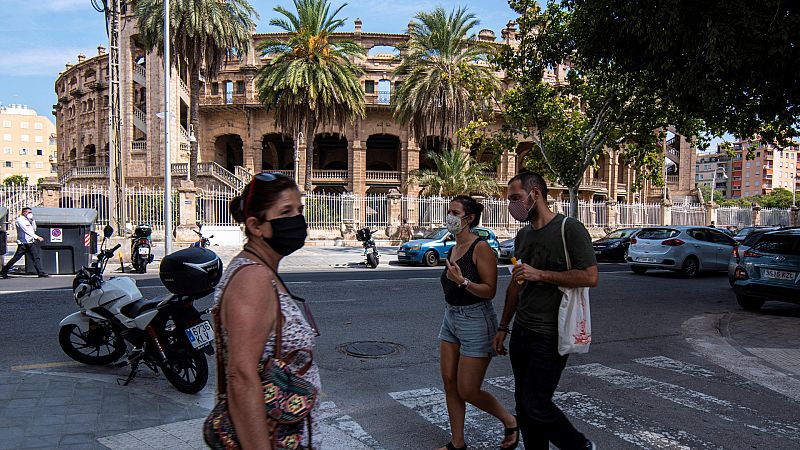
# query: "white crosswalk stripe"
617,421
662,362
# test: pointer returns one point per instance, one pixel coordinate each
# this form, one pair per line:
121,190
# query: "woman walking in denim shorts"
469,324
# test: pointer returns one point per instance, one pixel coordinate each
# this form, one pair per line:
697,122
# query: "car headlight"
414,247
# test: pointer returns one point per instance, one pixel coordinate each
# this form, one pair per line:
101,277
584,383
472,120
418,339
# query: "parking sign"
56,235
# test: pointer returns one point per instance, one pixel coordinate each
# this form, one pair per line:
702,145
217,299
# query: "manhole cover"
370,349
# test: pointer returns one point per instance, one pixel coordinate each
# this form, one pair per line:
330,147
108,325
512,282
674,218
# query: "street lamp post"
297,158
167,150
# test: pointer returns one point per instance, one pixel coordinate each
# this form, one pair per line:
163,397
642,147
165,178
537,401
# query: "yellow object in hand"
515,262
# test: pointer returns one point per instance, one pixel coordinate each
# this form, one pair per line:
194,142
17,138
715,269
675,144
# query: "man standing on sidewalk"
26,243
534,297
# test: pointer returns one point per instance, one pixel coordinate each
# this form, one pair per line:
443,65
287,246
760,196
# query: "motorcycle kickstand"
132,375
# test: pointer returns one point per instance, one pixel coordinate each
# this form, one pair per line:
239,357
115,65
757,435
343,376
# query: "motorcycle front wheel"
94,346
372,260
187,370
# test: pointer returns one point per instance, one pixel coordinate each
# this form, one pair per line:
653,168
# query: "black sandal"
508,432
450,446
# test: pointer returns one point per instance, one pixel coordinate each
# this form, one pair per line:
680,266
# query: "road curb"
705,334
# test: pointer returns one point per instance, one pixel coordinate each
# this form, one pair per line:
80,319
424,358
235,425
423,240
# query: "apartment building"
29,144
769,168
719,162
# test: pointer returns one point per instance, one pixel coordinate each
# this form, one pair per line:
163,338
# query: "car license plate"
144,251
597,252
646,259
200,335
778,274
401,253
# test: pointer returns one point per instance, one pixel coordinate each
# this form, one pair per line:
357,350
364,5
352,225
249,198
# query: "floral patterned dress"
296,334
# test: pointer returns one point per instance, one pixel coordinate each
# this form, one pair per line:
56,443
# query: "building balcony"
673,179
340,176
378,98
383,176
597,184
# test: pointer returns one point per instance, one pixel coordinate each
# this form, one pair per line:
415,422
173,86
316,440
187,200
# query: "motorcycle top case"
192,271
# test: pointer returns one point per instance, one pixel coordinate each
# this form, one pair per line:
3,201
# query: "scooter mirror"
108,231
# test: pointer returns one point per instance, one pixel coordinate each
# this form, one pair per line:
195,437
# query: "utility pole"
116,175
167,149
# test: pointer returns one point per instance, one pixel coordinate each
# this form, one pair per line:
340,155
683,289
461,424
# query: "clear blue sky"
38,37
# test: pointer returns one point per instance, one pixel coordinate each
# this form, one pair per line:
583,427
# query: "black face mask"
288,234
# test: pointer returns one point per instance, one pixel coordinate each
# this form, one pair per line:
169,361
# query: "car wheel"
639,270
731,280
690,267
430,258
749,303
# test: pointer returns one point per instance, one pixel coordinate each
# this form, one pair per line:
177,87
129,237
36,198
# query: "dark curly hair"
471,206
259,196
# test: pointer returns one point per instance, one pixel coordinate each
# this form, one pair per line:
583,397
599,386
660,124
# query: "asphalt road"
641,386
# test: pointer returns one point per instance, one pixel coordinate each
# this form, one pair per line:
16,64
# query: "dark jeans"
34,253
537,369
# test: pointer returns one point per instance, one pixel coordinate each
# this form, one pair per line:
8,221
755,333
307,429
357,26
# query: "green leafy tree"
205,34
446,78
15,180
311,81
455,173
731,62
573,121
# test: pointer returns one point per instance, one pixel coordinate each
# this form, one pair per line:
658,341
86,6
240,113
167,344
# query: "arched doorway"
383,152
277,152
330,152
433,144
229,151
89,156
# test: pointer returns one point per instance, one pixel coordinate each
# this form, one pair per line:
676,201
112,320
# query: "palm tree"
456,173
443,86
311,80
205,34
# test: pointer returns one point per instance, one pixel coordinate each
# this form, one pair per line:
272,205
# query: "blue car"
769,270
436,245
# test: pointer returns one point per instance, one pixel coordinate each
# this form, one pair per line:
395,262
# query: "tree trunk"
573,200
311,126
194,120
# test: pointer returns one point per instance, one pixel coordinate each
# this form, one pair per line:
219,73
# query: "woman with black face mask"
252,302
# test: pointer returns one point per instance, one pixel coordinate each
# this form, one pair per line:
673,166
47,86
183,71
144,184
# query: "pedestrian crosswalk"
622,421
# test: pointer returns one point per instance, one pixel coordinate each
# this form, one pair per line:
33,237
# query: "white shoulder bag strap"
564,241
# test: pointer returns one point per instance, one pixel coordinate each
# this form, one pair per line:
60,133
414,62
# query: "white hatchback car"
688,249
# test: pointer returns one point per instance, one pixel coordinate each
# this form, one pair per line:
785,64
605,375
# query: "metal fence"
689,214
143,205
591,214
775,216
14,198
735,216
639,214
213,207
431,211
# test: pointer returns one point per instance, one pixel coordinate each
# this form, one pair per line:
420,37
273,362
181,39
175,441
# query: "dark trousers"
537,370
32,250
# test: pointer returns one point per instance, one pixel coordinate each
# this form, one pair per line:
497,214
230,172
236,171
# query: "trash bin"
69,239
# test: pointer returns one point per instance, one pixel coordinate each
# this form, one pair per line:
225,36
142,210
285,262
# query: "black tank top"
459,296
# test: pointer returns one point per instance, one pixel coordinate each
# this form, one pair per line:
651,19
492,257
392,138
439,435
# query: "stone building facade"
239,137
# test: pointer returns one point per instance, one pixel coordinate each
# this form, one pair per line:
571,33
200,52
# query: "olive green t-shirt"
537,309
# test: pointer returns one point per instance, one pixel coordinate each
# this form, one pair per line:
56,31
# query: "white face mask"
29,216
454,224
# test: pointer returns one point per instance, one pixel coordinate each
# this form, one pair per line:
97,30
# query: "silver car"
688,249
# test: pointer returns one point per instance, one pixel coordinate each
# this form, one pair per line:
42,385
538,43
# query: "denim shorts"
472,327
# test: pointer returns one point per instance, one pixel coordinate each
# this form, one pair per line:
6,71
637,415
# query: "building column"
395,213
300,176
187,202
410,163
711,212
613,168
611,214
794,220
357,165
508,166
51,193
666,212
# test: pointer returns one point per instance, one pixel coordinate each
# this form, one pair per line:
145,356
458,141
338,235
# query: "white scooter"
167,332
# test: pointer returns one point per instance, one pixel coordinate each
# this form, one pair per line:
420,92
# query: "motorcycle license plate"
200,335
401,253
144,251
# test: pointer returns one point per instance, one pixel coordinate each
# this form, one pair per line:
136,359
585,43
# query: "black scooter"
141,248
370,250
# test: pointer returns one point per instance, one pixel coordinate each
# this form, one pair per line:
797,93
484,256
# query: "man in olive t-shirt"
534,297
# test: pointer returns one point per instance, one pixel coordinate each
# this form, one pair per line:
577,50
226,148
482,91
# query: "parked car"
506,250
736,254
436,245
747,231
614,245
687,249
770,270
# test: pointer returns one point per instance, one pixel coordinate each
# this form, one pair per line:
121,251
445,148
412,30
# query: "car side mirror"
108,231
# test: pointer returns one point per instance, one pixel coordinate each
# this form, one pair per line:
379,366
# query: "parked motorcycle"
371,255
202,241
141,248
166,332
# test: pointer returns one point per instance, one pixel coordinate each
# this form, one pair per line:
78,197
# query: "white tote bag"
574,317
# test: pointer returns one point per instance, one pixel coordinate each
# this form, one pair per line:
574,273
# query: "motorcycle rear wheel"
187,370
372,260
94,347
